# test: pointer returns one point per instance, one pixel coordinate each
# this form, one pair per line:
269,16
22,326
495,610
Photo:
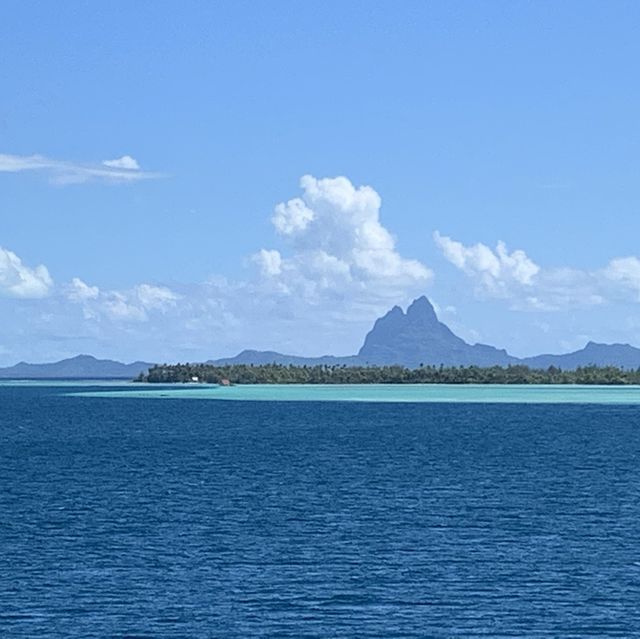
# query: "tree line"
323,374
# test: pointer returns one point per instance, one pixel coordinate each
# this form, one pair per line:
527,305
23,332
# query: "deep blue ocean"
133,517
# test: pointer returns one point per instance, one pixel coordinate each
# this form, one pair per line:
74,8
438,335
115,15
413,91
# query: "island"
342,374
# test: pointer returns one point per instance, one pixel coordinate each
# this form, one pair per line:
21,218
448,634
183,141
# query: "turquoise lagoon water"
418,393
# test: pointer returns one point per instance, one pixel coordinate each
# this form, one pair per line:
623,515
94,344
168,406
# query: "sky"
183,180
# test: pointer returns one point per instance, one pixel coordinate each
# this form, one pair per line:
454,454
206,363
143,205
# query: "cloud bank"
331,267
131,305
497,273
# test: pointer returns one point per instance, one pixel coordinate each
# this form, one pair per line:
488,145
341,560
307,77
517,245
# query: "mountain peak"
422,309
396,311
418,337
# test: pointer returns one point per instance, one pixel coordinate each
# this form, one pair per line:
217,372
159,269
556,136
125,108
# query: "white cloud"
496,272
16,163
19,280
130,305
125,162
269,262
155,297
117,306
292,217
78,291
516,277
124,169
338,246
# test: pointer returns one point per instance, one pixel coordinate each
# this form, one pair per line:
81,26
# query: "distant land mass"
259,358
79,367
619,355
410,339
418,337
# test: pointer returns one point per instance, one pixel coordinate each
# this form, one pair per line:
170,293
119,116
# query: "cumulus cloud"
129,305
292,217
338,245
79,291
516,277
155,297
125,162
123,169
269,262
496,271
19,280
118,306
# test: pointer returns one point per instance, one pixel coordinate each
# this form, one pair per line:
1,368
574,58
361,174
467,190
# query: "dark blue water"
188,518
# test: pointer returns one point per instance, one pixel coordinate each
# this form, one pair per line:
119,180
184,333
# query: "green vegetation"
279,374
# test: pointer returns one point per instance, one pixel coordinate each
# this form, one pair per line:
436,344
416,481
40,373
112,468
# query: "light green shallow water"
469,393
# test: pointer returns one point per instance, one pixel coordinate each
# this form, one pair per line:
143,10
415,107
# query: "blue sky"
487,122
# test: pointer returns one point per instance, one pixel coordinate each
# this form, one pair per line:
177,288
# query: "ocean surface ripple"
183,518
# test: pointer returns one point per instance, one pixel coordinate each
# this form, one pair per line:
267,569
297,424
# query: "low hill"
620,355
259,358
79,367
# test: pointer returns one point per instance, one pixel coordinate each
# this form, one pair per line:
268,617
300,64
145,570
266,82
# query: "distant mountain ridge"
418,337
620,355
258,358
409,339
79,367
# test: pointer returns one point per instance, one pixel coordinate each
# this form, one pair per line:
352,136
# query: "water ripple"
182,518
